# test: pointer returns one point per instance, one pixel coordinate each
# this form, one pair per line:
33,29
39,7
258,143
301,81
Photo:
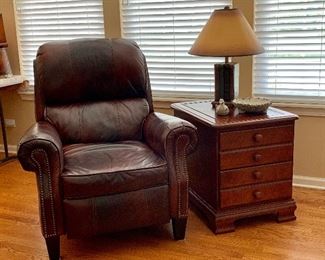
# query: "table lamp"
5,69
226,34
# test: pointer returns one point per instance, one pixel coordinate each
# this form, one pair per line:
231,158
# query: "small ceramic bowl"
252,105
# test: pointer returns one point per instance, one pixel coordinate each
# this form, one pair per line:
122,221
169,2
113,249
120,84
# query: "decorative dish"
252,105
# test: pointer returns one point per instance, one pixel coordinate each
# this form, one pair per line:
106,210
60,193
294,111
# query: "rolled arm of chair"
173,138
41,136
40,151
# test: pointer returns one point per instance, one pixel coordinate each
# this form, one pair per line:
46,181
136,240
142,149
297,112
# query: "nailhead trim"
42,192
181,170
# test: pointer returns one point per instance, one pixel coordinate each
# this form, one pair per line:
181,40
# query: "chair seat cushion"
108,168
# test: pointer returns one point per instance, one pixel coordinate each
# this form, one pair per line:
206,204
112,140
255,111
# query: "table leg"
4,136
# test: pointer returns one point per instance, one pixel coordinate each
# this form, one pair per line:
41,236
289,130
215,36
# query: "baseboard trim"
309,182
11,149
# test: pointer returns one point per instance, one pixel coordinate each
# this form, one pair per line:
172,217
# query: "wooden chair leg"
179,228
53,247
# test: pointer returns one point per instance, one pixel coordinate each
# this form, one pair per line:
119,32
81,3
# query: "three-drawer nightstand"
243,164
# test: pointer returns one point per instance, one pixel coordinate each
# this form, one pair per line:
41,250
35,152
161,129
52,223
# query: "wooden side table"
243,164
4,83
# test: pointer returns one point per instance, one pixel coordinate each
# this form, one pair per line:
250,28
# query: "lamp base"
5,69
226,82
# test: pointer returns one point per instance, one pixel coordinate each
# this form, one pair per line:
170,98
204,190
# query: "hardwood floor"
257,238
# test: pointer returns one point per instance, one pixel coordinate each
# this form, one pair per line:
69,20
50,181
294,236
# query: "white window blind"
293,35
40,21
165,30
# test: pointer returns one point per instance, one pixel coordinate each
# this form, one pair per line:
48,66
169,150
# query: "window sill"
300,106
302,109
26,92
164,100
180,96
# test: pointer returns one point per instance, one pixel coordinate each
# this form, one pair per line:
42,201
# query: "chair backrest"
92,90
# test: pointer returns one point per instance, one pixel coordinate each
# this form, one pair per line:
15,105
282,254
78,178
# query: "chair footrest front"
92,216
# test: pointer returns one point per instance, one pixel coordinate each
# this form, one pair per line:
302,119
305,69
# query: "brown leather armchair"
104,161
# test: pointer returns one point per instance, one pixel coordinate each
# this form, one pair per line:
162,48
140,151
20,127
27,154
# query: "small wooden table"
4,83
243,164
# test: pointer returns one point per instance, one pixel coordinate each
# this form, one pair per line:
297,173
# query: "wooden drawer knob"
257,157
257,175
257,194
258,138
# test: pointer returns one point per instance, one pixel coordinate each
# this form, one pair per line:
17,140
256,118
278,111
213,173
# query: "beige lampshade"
226,34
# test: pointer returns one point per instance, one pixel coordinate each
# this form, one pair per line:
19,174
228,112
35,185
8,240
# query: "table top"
203,111
15,79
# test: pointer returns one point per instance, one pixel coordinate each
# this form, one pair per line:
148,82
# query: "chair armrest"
173,138
41,135
40,150
161,132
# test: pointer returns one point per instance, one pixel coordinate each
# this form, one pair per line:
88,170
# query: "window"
293,35
40,21
165,30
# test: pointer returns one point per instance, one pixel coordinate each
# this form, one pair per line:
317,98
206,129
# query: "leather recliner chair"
104,160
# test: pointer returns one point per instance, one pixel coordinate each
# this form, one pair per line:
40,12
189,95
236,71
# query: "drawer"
254,175
255,194
256,156
256,137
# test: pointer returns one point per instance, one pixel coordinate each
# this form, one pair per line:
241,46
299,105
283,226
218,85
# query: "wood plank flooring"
256,238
